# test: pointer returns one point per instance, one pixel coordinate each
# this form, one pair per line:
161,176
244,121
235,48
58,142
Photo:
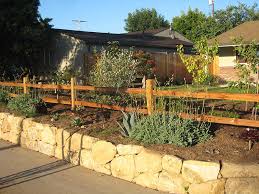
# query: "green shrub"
115,67
168,129
26,105
4,96
77,122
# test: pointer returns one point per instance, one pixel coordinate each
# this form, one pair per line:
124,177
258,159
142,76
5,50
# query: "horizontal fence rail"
149,93
208,95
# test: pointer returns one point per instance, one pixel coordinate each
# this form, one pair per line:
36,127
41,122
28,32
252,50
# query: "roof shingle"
249,31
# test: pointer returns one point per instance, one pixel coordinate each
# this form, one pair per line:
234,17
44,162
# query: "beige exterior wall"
68,51
227,57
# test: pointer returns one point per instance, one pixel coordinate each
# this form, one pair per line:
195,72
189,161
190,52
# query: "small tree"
248,53
197,64
115,67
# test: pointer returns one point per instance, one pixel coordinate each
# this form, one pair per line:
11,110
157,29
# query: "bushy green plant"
197,64
110,99
249,65
169,129
77,122
80,108
129,120
115,67
3,96
26,105
55,117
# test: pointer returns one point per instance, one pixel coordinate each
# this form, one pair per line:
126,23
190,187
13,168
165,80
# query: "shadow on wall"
65,51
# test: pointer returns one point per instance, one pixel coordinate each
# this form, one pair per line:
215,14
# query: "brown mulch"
226,145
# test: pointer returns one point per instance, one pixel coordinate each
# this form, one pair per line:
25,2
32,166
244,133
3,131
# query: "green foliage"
64,76
224,113
77,122
197,64
110,99
248,52
143,19
115,67
146,63
195,24
26,105
55,117
3,96
24,35
169,129
191,24
233,16
129,120
80,108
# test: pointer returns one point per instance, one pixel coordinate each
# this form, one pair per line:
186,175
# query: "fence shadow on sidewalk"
34,173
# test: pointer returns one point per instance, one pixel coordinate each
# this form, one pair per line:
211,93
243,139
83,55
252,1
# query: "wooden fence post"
73,93
25,90
150,96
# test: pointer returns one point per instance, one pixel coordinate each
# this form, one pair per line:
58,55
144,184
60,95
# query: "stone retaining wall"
131,162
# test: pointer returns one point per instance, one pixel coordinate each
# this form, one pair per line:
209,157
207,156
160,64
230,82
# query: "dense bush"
26,105
168,129
3,96
115,67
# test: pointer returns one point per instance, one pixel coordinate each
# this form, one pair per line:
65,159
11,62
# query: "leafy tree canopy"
195,24
143,19
24,34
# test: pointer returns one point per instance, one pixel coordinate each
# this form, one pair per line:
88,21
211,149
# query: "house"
227,56
75,48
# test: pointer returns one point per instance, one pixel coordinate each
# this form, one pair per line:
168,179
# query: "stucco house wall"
227,57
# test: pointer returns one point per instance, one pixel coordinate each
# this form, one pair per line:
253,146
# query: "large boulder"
148,180
210,187
242,186
198,171
31,129
14,137
172,184
239,170
148,161
123,167
63,138
12,123
74,157
46,148
76,142
3,116
129,149
88,142
103,152
86,159
172,164
48,134
105,169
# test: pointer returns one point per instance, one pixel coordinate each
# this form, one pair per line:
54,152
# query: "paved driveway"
27,172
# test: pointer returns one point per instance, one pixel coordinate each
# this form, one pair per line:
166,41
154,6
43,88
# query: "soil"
226,145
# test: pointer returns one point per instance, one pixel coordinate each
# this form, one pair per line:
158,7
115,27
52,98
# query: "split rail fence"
150,94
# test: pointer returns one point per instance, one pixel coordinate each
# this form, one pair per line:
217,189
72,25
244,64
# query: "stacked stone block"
132,162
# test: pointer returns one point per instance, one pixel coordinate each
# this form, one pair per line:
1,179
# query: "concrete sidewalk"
27,172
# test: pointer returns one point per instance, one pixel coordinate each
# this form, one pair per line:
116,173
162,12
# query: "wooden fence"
150,94
170,64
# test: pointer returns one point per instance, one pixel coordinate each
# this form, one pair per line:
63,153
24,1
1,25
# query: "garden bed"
225,145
